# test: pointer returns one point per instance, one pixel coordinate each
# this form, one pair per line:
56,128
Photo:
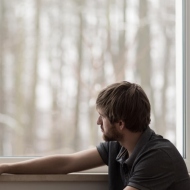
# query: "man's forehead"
100,111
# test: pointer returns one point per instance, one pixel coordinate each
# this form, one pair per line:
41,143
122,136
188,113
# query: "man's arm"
57,164
130,188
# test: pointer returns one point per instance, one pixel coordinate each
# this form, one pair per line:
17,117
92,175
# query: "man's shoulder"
161,151
110,145
157,142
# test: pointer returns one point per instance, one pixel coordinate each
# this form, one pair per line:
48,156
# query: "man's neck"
130,140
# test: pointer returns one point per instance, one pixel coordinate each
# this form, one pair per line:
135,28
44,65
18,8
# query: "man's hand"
2,168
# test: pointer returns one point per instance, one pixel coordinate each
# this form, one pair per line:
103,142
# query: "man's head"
127,102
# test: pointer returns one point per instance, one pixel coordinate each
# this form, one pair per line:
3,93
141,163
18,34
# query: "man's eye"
101,116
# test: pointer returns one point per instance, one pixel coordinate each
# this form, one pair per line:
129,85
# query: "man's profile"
137,158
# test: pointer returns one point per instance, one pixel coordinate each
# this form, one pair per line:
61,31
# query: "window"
56,55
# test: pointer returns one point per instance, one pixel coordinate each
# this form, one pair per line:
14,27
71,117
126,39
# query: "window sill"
72,181
75,177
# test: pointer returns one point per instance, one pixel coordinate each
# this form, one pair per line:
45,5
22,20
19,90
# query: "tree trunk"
18,84
119,61
2,82
30,133
77,141
143,61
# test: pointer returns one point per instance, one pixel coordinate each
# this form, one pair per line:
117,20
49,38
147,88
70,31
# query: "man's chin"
107,139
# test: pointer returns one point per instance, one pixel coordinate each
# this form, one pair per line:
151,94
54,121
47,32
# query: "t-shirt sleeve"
103,149
108,151
154,171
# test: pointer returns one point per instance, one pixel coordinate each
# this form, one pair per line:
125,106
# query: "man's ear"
121,125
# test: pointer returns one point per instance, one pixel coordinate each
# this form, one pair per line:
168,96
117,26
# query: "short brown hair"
127,102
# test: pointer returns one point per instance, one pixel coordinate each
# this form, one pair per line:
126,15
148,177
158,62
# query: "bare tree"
119,60
79,79
19,99
30,128
168,66
143,62
59,134
117,57
2,72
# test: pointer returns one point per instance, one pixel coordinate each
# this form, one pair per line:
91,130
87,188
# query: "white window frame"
186,75
183,79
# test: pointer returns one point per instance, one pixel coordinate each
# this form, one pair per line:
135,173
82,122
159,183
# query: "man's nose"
99,121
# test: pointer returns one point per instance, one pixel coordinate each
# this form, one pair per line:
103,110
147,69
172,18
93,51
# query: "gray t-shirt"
155,164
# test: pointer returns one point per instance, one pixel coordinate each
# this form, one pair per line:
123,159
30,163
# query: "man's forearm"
45,165
57,164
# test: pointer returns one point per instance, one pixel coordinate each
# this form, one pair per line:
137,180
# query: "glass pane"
55,56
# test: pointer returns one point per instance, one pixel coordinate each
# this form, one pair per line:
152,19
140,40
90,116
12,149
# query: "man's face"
110,132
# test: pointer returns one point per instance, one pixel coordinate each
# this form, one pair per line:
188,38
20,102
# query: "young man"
137,158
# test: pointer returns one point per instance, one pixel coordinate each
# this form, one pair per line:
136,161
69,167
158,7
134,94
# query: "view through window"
56,55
